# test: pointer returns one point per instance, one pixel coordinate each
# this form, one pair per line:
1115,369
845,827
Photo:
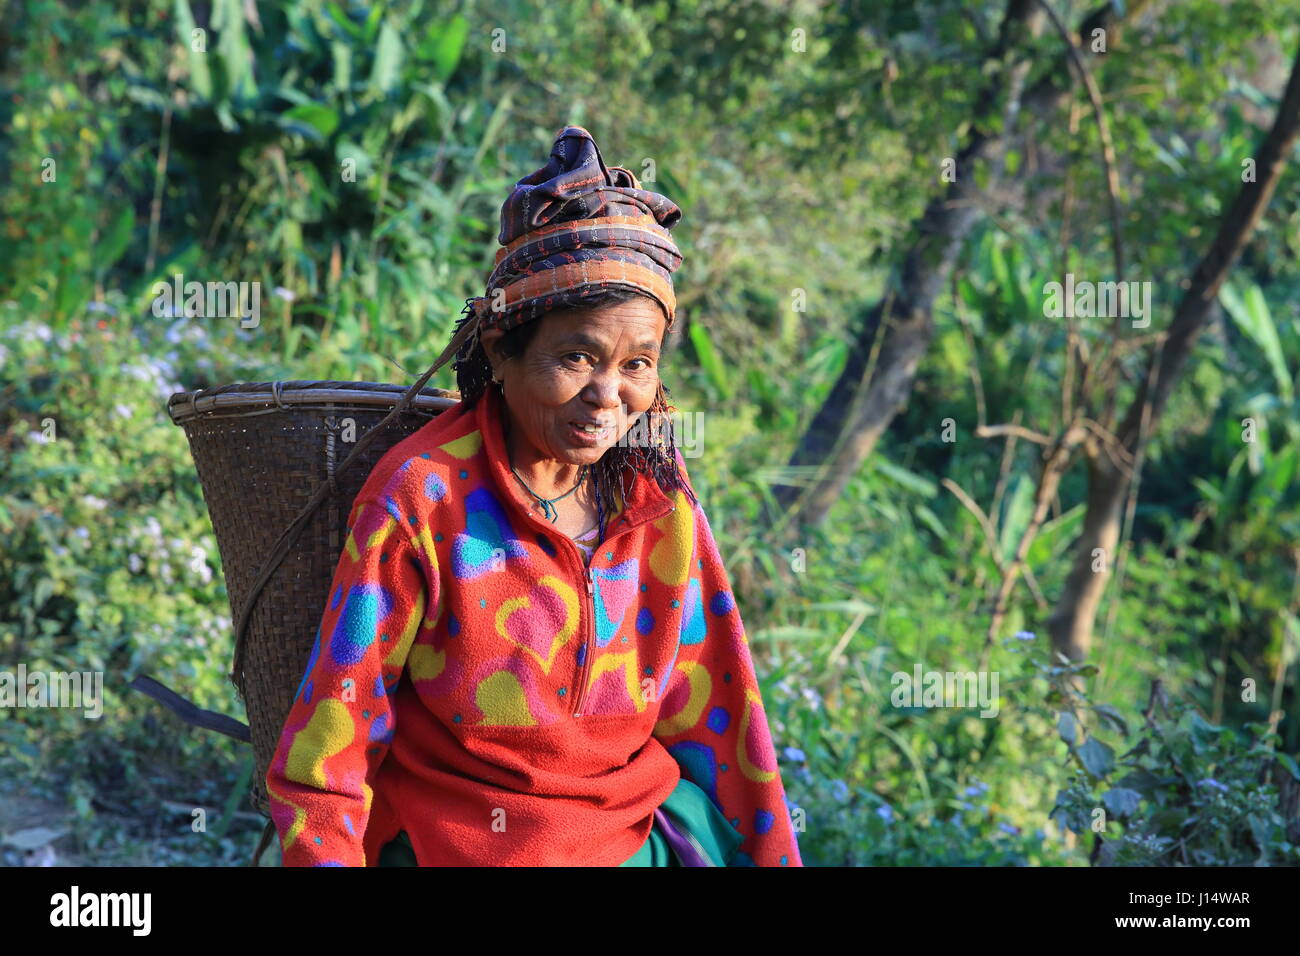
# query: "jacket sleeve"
711,716
341,722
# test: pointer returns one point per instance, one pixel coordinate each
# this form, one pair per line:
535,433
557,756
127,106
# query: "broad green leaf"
908,479
1111,716
1055,536
343,20
1067,727
848,607
444,46
1121,802
931,521
1249,310
372,24
200,76
1017,511
387,68
998,266
786,633
341,54
1098,759
313,119
233,49
709,360
115,240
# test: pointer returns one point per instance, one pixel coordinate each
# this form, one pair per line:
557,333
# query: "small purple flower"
839,790
1009,829
1024,635
794,755
885,812
1214,784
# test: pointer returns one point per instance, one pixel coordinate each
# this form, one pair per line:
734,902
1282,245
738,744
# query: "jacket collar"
646,501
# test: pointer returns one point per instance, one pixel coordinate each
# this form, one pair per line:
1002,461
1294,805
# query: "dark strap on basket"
290,534
263,842
190,712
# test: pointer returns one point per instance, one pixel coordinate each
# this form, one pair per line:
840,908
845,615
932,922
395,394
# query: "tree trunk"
1071,622
866,396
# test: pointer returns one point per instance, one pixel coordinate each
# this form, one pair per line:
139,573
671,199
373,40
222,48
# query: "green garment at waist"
693,812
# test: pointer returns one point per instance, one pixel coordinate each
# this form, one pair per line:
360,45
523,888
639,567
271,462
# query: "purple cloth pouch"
688,852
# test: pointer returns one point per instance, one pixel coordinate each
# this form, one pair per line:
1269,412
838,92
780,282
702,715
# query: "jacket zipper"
588,638
589,631
690,838
589,635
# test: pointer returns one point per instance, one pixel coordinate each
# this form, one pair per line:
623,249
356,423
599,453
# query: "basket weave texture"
261,451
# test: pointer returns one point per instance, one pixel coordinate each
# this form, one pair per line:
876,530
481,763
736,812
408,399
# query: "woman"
530,654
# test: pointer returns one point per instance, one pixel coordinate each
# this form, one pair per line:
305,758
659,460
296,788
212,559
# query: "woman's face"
599,365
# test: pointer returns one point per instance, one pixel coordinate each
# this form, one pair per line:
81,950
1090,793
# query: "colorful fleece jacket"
477,683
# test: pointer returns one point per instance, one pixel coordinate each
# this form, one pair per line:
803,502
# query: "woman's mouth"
590,435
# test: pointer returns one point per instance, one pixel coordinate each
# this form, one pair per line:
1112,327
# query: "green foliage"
1186,792
352,157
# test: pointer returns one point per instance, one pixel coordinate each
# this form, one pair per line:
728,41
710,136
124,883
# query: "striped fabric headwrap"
571,228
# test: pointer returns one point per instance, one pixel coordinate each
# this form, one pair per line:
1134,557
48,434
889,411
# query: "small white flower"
82,533
123,411
100,307
93,502
42,331
199,564
38,438
286,294
134,563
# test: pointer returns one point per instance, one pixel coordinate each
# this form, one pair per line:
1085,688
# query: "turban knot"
574,227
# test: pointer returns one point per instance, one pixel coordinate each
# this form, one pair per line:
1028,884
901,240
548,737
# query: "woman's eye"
578,358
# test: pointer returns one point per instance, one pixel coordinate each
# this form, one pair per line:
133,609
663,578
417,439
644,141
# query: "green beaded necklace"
548,504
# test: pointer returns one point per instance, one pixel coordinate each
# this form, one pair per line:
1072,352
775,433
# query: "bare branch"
1028,434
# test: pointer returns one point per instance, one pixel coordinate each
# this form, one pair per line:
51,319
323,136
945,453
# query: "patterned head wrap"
570,228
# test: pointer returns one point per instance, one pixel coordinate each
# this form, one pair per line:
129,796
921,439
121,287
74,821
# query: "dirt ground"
24,817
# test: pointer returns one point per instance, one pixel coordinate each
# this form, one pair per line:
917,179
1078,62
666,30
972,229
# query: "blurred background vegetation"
352,158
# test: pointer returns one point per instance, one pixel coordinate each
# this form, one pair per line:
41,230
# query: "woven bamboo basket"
268,456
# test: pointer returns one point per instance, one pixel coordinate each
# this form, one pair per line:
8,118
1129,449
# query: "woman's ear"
491,341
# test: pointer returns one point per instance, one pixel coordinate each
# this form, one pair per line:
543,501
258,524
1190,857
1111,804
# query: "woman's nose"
603,389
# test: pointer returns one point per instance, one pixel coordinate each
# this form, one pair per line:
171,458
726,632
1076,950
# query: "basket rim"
251,398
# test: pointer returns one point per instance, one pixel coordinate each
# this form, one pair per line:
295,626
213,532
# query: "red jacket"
477,684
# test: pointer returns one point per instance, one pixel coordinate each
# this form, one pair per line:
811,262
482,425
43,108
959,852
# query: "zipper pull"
591,584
